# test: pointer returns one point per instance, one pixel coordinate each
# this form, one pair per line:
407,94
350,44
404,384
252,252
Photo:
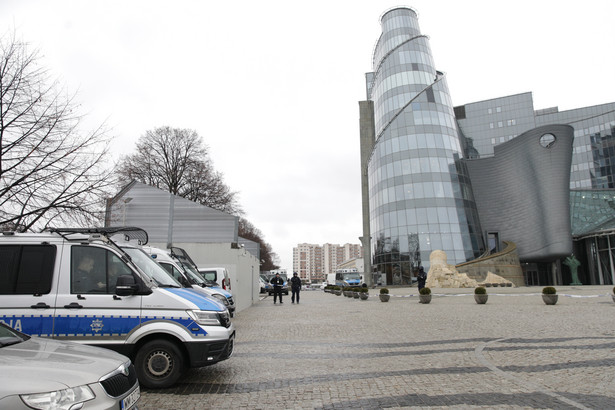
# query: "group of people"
295,286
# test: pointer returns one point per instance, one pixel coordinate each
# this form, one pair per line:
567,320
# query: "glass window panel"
393,218
447,243
438,188
436,241
418,190
434,164
443,215
405,166
399,192
428,190
424,242
401,217
403,143
408,191
416,166
421,142
421,215
432,215
411,216
397,168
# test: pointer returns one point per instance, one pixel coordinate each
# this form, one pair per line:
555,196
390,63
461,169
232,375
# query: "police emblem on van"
97,325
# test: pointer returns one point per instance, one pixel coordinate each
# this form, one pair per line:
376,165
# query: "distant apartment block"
314,262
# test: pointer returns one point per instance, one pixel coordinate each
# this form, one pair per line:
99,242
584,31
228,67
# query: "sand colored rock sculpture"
443,275
495,280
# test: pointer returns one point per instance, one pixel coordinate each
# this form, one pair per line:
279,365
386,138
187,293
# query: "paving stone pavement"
333,352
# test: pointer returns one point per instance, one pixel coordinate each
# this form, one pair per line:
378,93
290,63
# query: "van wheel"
159,364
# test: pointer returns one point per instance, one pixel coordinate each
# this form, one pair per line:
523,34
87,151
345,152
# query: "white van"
77,284
189,277
218,275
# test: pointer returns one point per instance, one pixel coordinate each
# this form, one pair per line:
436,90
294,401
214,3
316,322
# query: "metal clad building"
169,218
522,192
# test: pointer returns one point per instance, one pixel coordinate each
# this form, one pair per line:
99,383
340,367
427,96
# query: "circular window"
547,140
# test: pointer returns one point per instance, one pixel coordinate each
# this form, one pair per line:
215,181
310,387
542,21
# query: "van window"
173,271
26,269
209,275
95,270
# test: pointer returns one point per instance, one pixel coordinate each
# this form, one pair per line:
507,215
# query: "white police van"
77,284
187,274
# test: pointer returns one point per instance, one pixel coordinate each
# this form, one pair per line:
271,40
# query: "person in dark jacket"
421,278
277,283
295,282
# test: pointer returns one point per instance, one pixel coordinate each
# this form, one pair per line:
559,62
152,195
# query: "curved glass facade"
420,197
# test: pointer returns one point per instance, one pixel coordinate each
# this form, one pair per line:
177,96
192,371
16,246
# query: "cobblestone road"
332,352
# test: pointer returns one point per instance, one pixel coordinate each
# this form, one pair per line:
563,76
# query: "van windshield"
152,269
352,276
193,274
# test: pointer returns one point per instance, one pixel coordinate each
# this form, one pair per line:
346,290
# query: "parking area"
332,352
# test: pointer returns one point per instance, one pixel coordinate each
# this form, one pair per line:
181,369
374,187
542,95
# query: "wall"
505,264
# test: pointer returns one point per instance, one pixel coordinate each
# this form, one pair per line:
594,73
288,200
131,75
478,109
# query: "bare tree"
176,160
269,259
50,173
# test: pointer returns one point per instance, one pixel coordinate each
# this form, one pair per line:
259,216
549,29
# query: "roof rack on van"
129,232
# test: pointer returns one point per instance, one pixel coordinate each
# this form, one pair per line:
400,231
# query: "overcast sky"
273,86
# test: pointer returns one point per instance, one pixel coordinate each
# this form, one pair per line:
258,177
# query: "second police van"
77,284
189,276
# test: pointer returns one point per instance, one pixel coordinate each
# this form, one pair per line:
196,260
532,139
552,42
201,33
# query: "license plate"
131,399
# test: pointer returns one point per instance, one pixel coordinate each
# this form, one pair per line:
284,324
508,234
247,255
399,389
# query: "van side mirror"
126,285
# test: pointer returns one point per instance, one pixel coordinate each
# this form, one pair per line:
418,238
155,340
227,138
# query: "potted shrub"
549,295
355,292
480,295
425,295
363,293
613,295
384,295
337,290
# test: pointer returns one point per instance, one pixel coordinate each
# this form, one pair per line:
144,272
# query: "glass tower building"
543,179
420,198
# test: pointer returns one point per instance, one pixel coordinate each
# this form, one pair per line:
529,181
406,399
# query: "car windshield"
194,275
152,269
9,337
352,276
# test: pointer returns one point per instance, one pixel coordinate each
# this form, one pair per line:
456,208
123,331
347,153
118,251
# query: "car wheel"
159,364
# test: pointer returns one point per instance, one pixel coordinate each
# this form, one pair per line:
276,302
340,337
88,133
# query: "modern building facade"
463,179
491,124
419,199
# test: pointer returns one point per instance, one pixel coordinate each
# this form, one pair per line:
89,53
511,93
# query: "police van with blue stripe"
78,284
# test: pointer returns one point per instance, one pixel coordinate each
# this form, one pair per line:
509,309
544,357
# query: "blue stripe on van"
95,325
30,324
91,325
202,302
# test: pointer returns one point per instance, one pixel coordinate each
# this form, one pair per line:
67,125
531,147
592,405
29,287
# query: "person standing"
421,278
277,283
295,286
